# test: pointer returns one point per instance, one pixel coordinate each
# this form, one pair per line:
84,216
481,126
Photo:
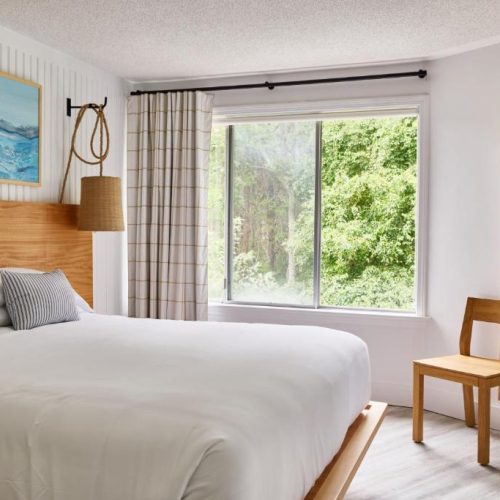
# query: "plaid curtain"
168,151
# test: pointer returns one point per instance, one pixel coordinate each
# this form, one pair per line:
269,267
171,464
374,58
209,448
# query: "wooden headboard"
44,236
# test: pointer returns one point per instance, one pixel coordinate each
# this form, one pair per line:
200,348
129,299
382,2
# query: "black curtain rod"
421,73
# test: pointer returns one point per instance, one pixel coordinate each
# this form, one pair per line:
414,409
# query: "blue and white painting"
19,131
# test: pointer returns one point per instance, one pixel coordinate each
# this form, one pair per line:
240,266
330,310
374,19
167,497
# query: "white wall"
464,204
464,225
62,76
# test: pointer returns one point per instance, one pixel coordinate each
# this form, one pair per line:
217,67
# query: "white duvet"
112,408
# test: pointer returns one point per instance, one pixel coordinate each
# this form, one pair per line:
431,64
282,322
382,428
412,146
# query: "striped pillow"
38,299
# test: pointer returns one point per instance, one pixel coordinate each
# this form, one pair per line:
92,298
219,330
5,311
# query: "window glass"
216,215
273,212
367,247
368,187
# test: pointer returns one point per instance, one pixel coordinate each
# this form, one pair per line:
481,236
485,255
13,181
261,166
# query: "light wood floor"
443,467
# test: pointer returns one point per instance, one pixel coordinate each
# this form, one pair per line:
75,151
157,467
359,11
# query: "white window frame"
323,110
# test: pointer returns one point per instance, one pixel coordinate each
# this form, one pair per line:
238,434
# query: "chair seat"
468,365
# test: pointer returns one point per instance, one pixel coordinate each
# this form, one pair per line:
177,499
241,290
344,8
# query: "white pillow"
79,301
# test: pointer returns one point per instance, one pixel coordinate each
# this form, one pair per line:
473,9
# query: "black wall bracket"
69,107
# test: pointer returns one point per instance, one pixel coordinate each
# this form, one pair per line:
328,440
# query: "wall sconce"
101,196
101,204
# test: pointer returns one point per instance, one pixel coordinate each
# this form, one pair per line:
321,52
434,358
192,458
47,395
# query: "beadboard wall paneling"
62,76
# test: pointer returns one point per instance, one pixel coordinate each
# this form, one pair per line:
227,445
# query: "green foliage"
273,176
367,221
368,212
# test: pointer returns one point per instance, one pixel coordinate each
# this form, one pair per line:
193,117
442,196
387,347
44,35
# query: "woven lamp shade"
101,204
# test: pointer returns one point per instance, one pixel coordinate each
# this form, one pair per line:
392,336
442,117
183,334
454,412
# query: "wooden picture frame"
25,177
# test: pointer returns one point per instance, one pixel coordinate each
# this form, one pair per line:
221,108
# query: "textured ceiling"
173,39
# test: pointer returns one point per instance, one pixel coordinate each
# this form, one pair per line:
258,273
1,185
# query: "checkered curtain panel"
168,152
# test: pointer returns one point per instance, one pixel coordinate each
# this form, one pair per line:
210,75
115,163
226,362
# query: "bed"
112,408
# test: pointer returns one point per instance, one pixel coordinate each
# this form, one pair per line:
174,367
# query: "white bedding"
112,408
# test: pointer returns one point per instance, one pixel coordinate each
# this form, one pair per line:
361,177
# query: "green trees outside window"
368,202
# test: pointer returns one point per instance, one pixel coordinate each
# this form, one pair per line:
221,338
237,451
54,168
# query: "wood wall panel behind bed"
44,236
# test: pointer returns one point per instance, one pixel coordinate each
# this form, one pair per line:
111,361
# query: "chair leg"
418,404
470,419
483,438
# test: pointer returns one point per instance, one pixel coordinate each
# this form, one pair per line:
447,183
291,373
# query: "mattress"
114,408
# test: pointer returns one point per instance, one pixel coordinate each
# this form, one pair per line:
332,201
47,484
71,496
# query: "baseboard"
435,399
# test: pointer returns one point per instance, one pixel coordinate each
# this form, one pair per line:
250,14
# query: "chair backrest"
477,310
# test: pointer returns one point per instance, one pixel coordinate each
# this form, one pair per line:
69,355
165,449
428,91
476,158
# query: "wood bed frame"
44,236
339,473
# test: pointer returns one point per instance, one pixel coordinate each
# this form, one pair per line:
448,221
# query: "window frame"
319,111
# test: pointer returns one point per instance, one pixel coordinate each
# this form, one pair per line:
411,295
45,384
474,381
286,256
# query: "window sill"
330,317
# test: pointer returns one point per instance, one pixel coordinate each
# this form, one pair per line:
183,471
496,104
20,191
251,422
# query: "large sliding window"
316,212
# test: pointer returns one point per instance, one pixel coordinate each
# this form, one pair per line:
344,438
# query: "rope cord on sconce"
100,156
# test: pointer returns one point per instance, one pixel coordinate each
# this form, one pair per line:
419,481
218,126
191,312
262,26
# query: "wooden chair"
467,370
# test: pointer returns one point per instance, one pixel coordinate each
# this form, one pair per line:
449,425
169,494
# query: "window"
316,213
273,185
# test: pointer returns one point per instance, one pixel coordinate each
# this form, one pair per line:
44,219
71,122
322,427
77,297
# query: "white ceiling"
179,39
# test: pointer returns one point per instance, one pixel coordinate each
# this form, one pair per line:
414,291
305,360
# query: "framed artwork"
20,131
